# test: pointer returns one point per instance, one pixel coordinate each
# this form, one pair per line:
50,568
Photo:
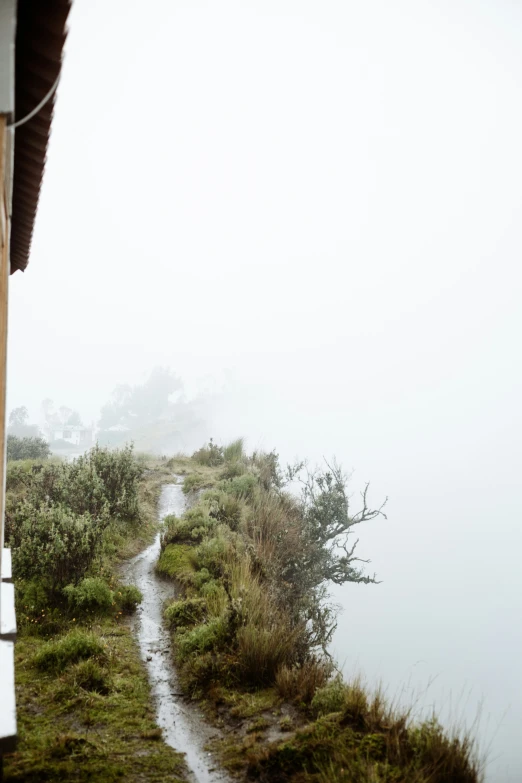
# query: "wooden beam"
4,283
8,729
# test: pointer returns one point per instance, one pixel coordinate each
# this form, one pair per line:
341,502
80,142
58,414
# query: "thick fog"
311,212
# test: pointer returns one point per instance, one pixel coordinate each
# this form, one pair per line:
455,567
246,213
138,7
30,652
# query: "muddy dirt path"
184,728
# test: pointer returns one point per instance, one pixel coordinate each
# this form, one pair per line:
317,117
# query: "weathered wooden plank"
7,611
7,566
4,284
7,698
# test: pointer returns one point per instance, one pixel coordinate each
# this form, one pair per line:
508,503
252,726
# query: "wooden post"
8,730
4,284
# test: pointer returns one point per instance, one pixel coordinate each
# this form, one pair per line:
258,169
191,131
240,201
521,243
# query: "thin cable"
42,103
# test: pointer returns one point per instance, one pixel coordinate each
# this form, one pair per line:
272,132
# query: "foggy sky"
319,205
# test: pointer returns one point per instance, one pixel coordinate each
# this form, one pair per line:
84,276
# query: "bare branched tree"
322,548
329,525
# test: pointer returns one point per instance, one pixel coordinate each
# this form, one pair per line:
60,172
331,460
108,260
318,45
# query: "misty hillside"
250,553
297,220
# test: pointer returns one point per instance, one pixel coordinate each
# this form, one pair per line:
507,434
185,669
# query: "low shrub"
262,650
102,483
175,562
128,598
224,507
39,610
332,697
50,486
444,756
211,588
240,486
207,636
266,465
199,672
301,683
19,475
92,594
233,469
200,578
216,554
169,531
90,676
191,527
193,482
75,646
234,451
106,477
189,611
53,543
31,597
357,708
210,455
26,448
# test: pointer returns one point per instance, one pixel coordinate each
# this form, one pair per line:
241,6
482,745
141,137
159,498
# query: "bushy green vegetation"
26,448
53,544
193,482
63,523
56,655
251,632
261,558
210,455
360,738
234,452
94,596
184,613
213,455
84,706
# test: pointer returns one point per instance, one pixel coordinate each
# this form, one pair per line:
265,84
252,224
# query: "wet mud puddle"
182,723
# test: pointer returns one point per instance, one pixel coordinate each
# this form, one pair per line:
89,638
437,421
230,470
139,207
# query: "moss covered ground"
83,698
90,721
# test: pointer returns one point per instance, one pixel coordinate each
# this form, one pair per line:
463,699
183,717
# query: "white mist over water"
441,630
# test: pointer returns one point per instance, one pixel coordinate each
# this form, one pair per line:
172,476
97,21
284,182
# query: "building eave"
40,38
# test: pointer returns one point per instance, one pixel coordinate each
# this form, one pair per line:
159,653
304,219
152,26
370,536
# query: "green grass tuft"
128,598
175,562
77,645
189,611
193,482
92,594
234,451
207,636
90,676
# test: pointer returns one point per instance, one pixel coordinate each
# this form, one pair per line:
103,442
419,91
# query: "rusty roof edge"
37,23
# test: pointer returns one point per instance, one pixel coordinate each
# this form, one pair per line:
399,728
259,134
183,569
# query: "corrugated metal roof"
40,37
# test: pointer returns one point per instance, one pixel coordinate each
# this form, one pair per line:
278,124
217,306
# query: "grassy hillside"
251,632
250,629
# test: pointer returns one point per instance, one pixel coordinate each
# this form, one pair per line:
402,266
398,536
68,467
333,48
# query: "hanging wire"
42,103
